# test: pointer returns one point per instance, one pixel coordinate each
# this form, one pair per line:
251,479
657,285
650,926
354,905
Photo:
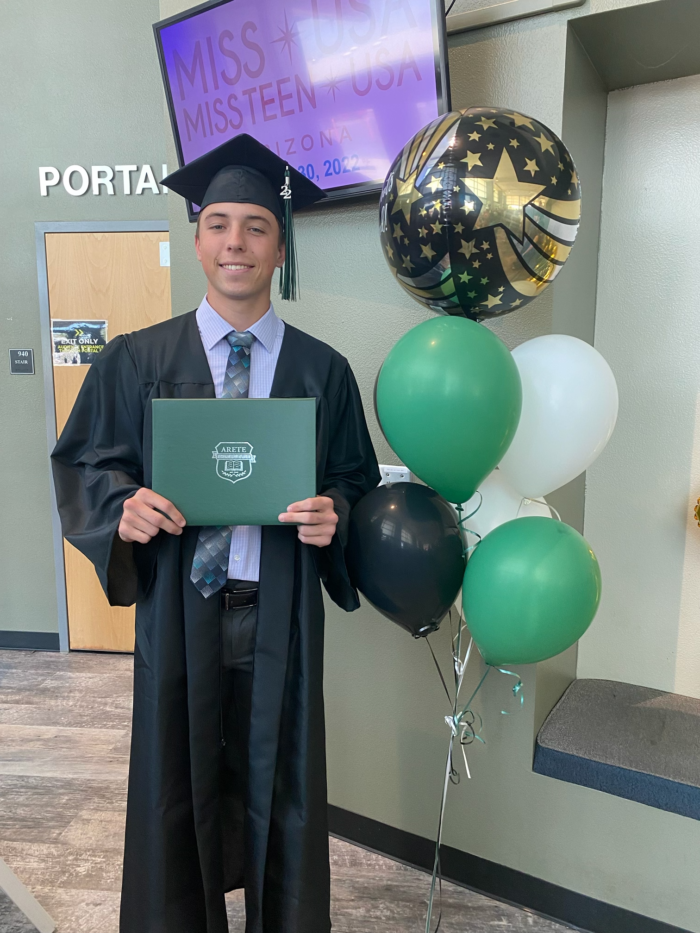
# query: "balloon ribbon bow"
462,726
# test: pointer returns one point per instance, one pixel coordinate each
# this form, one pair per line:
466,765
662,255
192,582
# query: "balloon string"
465,531
517,688
551,509
462,725
439,669
450,775
526,501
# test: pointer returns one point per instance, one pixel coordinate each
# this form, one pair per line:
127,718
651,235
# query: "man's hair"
279,225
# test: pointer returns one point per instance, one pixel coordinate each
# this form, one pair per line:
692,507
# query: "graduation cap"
243,171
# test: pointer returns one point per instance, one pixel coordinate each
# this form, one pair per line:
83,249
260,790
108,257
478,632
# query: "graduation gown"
183,849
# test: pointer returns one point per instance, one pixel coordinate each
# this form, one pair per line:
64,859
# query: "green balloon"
531,589
448,401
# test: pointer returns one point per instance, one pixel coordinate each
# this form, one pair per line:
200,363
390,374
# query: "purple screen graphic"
336,87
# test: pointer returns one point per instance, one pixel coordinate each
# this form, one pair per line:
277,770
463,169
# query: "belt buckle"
239,599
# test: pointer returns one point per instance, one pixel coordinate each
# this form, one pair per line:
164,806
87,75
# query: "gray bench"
630,741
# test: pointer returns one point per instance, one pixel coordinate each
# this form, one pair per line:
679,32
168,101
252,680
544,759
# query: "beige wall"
385,707
641,492
80,85
91,84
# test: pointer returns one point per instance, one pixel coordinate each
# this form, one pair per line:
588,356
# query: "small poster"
76,343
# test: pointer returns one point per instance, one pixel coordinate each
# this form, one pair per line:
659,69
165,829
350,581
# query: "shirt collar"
265,329
214,328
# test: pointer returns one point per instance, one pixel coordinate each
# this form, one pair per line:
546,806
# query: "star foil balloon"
479,212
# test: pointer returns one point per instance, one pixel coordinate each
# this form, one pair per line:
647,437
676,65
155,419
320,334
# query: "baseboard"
30,641
494,880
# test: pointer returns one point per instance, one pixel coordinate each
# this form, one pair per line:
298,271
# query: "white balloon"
570,404
499,503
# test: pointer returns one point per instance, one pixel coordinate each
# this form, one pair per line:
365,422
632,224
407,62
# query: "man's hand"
142,518
316,518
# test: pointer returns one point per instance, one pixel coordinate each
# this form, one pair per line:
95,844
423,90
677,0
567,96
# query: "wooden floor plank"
65,722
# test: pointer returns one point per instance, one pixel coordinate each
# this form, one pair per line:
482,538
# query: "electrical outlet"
394,474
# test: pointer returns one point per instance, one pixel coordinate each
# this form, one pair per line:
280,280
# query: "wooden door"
117,278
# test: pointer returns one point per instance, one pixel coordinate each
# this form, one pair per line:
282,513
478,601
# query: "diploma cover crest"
234,461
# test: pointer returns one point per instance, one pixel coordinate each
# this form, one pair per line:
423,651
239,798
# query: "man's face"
239,248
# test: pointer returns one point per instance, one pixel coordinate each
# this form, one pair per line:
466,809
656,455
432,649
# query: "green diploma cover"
234,461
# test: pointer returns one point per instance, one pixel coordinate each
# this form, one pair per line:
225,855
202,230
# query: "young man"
227,781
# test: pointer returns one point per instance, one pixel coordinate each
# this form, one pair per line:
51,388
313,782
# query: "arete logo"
234,460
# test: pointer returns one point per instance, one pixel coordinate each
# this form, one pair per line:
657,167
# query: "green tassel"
288,272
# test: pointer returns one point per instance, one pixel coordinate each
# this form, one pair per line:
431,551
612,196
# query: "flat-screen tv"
336,87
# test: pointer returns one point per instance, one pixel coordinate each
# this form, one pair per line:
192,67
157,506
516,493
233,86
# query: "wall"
386,736
385,707
642,490
80,85
86,89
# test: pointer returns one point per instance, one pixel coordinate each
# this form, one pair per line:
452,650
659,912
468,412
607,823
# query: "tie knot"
240,339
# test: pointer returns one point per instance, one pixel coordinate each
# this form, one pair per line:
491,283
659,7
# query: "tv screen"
336,87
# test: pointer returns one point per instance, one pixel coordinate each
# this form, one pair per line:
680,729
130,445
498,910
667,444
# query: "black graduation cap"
242,170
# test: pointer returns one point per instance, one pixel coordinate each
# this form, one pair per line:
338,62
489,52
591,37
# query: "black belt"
239,598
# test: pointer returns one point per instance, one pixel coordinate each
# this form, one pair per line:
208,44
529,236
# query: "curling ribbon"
461,725
455,723
517,688
465,531
459,729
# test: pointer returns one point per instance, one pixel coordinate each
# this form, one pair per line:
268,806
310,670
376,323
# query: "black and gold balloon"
479,212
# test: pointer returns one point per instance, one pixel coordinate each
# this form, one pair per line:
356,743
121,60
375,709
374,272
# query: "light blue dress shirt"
244,557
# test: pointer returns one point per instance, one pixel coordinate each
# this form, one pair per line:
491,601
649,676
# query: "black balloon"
405,554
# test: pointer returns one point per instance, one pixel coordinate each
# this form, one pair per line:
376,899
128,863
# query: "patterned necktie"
210,565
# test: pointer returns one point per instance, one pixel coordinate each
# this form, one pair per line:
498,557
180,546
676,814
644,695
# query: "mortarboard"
242,170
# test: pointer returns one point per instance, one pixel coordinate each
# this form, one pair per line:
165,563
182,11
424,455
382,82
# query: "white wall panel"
641,492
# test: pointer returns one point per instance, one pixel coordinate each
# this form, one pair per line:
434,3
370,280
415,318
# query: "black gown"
181,851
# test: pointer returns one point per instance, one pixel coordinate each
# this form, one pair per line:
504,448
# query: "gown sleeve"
98,464
351,471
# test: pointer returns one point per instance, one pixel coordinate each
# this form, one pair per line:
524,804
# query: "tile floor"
64,744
